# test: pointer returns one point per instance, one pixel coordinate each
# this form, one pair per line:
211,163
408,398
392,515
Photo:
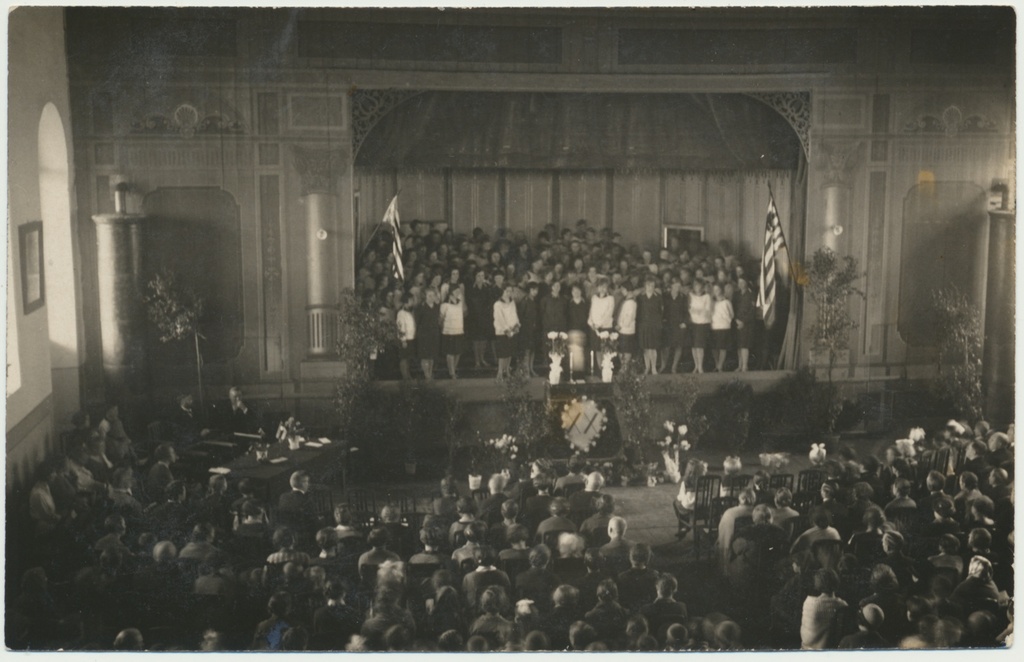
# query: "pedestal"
122,312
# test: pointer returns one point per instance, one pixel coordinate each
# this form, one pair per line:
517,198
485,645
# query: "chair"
323,501
420,572
781,480
368,575
803,503
718,506
402,500
570,489
733,485
741,523
810,480
707,490
480,495
364,507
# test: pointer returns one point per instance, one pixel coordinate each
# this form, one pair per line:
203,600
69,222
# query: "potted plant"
830,282
959,352
175,309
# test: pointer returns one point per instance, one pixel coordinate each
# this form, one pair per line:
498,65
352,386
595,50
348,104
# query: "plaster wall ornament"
319,169
837,161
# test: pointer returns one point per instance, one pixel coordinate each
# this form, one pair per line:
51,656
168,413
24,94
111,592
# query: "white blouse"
602,312
406,325
505,317
452,319
700,308
721,315
627,317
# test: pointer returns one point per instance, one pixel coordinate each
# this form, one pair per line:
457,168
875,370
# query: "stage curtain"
697,132
789,356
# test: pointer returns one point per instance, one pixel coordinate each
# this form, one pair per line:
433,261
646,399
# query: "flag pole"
373,234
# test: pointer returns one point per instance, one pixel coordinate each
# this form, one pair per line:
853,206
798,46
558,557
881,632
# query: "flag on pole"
774,241
392,221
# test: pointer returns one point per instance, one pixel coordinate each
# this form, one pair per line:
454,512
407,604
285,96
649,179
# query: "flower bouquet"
609,342
559,345
774,462
674,442
505,447
817,455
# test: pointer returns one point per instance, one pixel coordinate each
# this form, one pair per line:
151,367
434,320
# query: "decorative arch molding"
370,106
795,107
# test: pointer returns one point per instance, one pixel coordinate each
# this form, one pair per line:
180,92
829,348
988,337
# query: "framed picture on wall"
33,287
687,235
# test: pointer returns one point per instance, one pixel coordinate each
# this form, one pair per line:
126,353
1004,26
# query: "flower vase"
555,371
294,443
606,373
652,481
475,481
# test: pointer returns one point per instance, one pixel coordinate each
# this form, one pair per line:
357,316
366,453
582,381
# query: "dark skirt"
745,336
407,352
627,343
453,345
700,335
721,338
649,336
504,346
678,338
428,345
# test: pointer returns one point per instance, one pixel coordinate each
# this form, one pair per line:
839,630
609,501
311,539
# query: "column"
320,170
122,312
837,161
998,373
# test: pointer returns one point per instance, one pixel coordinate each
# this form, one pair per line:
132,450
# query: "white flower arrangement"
817,454
955,426
506,445
906,448
732,464
559,342
916,434
773,462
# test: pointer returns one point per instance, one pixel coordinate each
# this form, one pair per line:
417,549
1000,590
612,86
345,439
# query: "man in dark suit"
160,476
241,418
187,423
296,510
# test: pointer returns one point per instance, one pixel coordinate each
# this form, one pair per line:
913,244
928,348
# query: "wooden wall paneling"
583,194
376,188
694,201
636,207
424,195
528,197
475,200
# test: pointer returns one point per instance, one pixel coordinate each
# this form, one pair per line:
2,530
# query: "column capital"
320,169
837,161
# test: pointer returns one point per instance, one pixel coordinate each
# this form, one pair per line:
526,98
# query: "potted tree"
959,352
830,282
175,309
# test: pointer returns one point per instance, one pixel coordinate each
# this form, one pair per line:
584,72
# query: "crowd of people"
689,308
912,549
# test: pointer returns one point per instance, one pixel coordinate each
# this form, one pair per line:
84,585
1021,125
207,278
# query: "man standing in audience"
296,509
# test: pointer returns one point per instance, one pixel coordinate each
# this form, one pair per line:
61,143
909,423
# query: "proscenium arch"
59,251
370,106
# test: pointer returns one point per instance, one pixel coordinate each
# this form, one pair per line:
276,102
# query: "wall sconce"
321,234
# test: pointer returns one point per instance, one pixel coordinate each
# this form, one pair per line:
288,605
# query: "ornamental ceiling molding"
950,122
795,108
370,106
319,169
186,121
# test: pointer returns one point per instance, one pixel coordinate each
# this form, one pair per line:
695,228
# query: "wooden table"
323,465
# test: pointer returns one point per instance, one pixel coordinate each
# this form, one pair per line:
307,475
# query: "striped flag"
773,243
391,220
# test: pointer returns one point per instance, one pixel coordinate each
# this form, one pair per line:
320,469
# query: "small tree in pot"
830,282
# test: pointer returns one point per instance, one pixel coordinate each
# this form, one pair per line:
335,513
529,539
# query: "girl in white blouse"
700,317
627,326
600,318
453,330
506,326
721,325
406,335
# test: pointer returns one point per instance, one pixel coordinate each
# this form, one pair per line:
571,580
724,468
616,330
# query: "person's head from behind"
450,641
944,507
327,538
465,507
821,518
571,545
935,481
873,518
893,542
559,507
476,532
510,509
608,591
761,514
604,504
616,527
640,555
540,556
979,539
968,481
677,636
727,635
565,596
129,639
283,538
581,635
667,586
165,552
783,497
497,483
748,497
490,601
595,481
826,581
870,617
378,538
279,604
883,579
299,480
